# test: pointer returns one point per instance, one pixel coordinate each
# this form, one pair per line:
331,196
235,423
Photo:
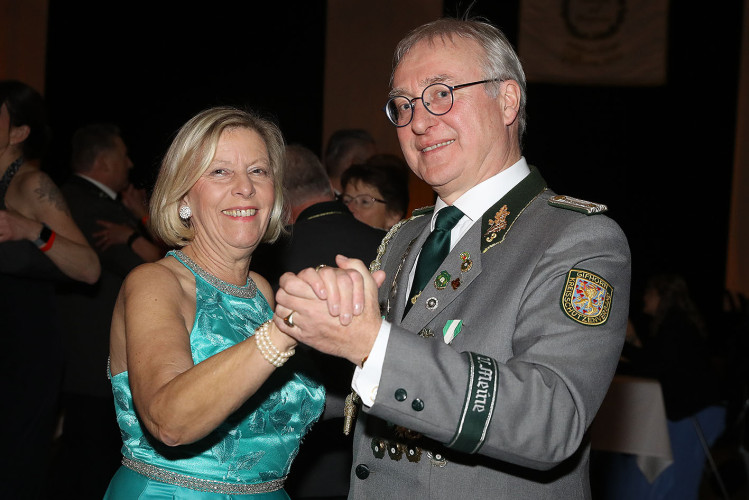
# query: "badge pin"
426,332
432,303
441,281
455,283
467,263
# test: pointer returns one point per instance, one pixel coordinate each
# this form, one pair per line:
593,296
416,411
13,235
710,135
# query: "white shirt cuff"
367,379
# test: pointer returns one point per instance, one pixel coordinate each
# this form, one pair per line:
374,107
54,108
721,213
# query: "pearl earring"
185,212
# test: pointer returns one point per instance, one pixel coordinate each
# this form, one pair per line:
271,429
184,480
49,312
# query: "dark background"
660,157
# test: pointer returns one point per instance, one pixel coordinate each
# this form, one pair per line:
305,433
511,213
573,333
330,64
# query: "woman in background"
376,192
39,245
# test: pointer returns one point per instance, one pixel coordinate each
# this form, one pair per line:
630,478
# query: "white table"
632,419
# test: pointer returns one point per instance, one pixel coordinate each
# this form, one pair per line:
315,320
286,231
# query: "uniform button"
417,404
401,394
362,471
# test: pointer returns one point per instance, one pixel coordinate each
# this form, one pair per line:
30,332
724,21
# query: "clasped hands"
335,308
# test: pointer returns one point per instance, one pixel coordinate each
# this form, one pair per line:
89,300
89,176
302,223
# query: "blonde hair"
190,154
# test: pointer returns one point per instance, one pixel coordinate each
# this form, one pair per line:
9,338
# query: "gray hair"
500,61
304,176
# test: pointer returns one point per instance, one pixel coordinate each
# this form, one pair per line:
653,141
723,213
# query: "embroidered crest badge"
497,224
586,297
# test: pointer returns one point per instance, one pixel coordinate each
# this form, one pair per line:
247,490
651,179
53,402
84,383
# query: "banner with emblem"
594,42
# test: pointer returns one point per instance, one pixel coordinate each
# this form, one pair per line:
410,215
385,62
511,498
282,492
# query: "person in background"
100,166
674,349
206,405
376,192
39,245
346,147
486,351
321,228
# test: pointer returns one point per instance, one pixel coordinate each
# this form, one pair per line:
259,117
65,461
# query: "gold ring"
320,267
289,320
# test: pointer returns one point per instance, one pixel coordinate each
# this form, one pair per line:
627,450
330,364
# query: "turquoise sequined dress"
250,454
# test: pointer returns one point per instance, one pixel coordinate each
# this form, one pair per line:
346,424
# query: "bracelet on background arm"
46,238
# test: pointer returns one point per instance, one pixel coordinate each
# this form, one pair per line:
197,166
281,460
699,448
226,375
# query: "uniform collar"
477,200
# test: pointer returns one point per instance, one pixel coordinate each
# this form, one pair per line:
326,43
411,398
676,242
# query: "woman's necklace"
247,291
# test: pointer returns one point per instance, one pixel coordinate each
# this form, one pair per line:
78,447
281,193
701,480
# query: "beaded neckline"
245,292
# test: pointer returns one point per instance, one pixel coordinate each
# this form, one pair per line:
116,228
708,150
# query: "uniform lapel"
463,264
453,276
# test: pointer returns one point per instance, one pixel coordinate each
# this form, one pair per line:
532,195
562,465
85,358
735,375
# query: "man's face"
469,144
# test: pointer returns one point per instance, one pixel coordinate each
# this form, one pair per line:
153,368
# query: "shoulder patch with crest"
586,297
578,205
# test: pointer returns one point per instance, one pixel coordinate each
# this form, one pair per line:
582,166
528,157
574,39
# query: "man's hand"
111,234
135,200
335,309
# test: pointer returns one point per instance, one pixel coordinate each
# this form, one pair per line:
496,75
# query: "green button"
401,394
417,404
362,471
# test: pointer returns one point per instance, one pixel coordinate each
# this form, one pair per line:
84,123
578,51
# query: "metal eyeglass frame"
426,106
353,198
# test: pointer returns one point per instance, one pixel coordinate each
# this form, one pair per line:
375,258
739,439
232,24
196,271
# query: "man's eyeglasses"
437,99
361,201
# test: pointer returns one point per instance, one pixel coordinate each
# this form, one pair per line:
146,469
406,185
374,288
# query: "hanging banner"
594,42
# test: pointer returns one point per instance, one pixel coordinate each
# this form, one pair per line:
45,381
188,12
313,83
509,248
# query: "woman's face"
232,201
357,196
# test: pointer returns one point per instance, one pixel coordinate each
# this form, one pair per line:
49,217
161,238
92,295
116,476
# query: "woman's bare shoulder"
264,287
161,275
34,187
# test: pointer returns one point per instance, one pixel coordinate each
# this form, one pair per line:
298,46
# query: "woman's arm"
180,402
39,201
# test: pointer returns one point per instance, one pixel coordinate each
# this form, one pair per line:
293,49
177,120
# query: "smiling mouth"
240,213
441,144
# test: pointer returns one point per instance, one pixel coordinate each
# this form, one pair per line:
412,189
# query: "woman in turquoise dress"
206,405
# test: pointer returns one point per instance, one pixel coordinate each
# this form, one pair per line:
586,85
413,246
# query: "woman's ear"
510,95
19,134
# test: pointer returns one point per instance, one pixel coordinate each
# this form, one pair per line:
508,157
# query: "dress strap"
7,177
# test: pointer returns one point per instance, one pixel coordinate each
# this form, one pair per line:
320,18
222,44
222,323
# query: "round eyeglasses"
437,99
361,201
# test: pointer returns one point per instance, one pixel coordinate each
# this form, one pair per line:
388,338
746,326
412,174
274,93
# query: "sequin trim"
246,292
197,484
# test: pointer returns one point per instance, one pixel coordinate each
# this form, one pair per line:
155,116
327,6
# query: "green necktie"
435,249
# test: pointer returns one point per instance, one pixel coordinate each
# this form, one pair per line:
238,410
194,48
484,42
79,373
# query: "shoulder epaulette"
418,212
578,205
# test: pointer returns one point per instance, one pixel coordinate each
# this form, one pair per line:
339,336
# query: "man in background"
346,147
321,228
90,435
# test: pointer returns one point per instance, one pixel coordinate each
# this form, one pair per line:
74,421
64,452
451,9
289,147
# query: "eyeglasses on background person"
437,99
361,200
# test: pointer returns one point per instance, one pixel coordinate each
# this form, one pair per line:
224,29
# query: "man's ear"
510,95
19,134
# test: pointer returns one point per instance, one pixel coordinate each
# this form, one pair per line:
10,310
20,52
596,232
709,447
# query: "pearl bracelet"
267,349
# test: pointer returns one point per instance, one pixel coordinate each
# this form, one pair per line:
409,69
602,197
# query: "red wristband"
49,243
